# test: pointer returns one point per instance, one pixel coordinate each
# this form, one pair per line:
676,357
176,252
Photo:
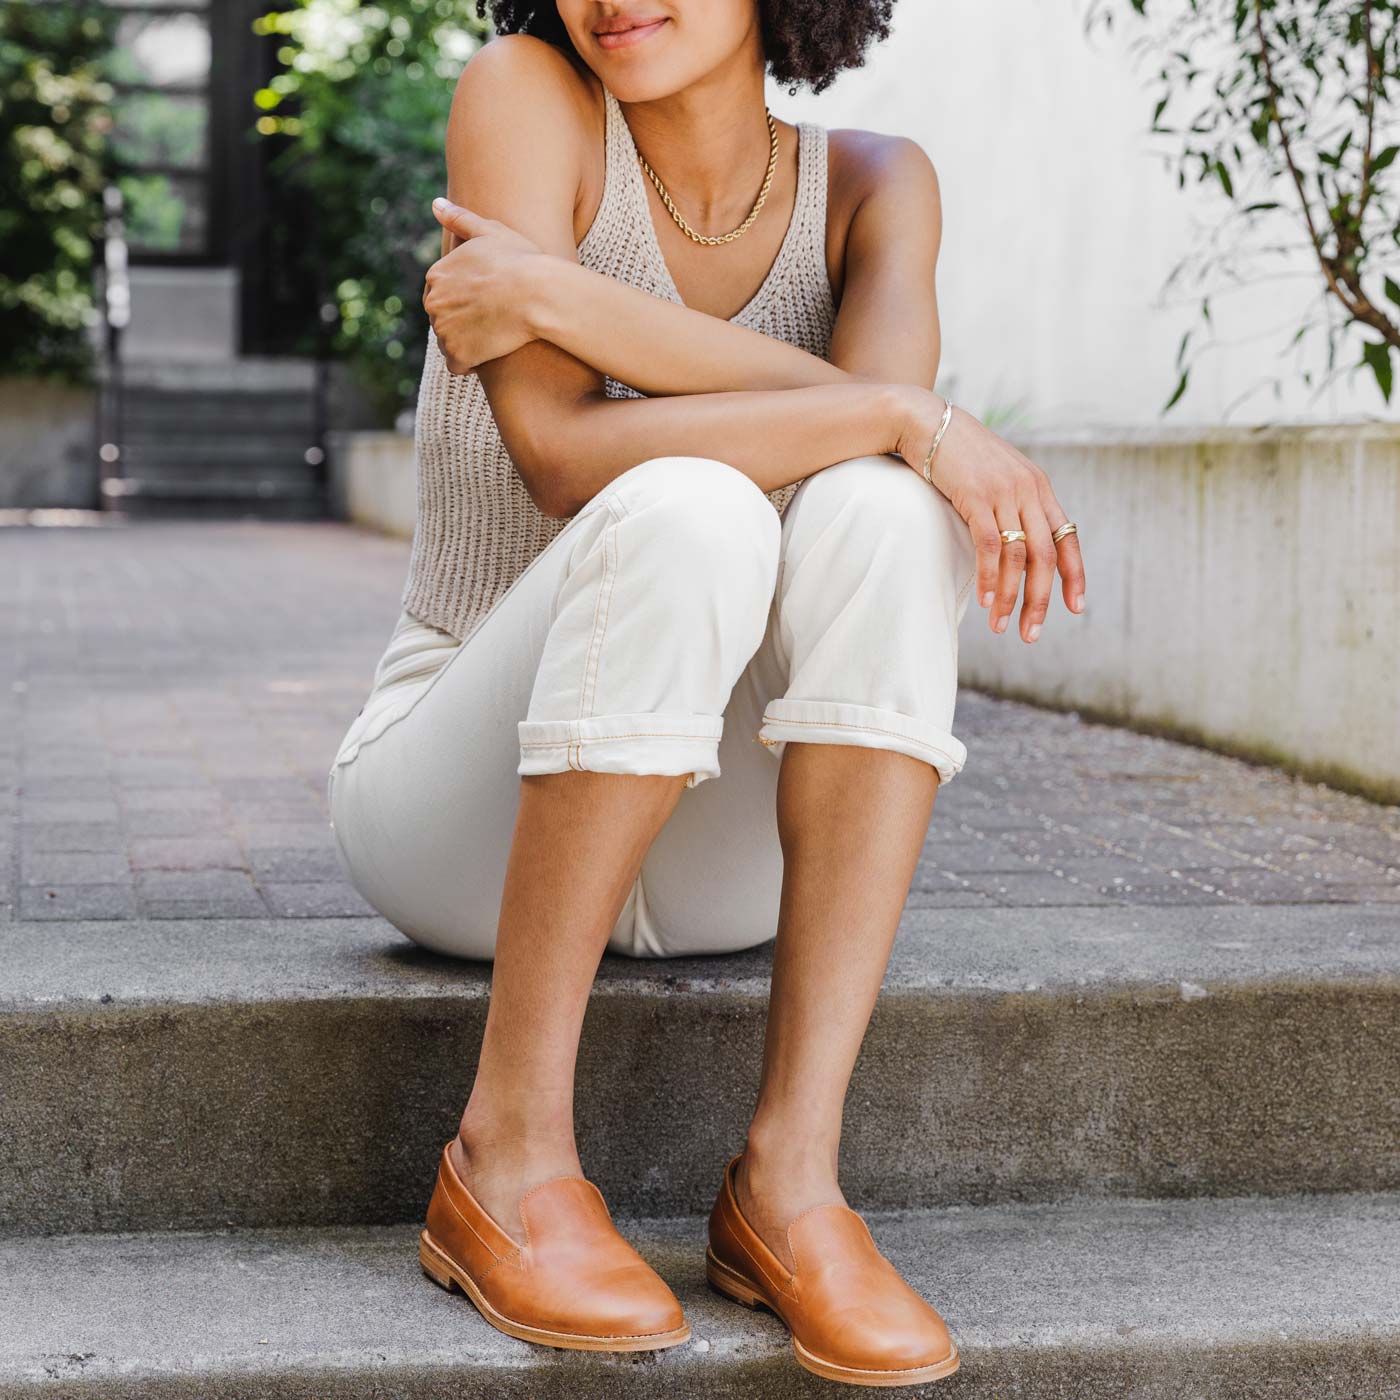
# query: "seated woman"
688,506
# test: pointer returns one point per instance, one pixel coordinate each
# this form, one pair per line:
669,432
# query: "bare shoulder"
889,185
523,113
516,83
869,163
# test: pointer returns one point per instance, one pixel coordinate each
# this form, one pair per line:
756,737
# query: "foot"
852,1317
574,1282
499,1168
773,1190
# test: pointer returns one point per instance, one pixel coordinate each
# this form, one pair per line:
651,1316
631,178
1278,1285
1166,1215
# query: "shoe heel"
734,1287
433,1264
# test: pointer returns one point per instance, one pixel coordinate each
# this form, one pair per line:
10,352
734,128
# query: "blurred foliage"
54,119
1288,107
360,99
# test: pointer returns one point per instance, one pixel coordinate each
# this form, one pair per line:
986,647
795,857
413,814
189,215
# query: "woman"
687,505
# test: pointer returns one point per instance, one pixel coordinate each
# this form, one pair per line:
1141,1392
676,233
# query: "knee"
704,516
879,506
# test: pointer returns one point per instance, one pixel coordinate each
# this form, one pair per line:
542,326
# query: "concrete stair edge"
1297,1297
306,1072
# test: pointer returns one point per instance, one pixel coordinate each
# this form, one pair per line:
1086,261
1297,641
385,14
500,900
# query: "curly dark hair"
804,41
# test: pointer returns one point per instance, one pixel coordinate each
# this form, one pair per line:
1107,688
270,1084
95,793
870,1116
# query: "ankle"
777,1151
507,1146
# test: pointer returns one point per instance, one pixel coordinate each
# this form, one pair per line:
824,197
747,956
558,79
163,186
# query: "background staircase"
1128,1152
238,437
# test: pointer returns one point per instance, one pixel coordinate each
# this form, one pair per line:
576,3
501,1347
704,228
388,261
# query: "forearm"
660,347
775,437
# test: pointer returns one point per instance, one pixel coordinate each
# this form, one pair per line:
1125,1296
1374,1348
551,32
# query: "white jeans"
677,625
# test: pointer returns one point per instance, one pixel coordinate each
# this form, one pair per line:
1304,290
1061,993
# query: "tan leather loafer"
575,1282
852,1317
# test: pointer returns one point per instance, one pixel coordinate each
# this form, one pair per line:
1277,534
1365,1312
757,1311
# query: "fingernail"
987,598
1001,622
1033,632
1079,602
439,203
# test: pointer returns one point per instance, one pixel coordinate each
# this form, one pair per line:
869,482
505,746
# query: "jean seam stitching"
866,728
962,592
572,744
589,689
570,526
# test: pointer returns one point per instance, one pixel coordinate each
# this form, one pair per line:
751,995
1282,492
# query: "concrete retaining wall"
48,455
1244,589
1244,593
374,480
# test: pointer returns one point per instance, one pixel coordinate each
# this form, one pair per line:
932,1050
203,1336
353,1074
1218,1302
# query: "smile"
633,34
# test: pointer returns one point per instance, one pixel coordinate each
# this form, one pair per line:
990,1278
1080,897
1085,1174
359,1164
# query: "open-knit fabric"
477,529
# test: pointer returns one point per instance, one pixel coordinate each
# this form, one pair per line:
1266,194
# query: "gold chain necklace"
713,240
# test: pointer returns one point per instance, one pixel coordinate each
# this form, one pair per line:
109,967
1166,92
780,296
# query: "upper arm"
518,139
887,325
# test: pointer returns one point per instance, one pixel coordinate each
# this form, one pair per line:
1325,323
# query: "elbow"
550,498
539,463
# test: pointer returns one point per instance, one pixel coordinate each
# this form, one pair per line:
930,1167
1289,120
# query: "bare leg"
578,844
852,823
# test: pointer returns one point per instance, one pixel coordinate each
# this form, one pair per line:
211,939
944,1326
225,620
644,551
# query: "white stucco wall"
1061,222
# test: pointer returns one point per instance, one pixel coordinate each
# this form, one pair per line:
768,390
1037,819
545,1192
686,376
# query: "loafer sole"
447,1273
739,1289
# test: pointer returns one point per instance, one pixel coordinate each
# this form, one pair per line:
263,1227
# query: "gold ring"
1011,535
1068,528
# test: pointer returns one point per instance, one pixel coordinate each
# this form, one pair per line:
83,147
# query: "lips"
622,33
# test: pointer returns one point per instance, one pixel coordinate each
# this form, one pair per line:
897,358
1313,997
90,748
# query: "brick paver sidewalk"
171,696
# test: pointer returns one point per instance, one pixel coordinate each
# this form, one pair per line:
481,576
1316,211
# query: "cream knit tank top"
477,529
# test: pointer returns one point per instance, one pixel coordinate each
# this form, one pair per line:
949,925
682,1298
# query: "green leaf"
1180,390
1392,291
1224,176
1384,159
1377,354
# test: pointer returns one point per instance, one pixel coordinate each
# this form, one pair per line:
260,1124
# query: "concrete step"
201,418
1295,1299
244,374
288,492
277,469
188,1073
213,440
240,399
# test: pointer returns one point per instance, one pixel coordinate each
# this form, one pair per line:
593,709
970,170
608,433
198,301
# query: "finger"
1040,568
987,542
1069,559
1013,565
461,221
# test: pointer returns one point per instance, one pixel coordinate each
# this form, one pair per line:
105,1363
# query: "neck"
709,143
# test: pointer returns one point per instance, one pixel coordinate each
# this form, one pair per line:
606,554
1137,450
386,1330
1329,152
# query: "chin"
640,82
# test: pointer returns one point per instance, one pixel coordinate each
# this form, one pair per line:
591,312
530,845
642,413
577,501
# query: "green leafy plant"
360,102
1288,107
54,120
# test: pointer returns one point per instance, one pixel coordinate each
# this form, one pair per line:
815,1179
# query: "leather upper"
843,1301
574,1273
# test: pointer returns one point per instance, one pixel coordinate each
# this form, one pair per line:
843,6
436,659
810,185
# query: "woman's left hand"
478,295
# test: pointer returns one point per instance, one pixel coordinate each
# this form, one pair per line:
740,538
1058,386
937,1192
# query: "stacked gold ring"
1068,528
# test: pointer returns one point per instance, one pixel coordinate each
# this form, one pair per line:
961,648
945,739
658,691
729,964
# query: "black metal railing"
116,316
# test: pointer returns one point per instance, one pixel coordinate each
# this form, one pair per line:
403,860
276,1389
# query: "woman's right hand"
994,488
479,294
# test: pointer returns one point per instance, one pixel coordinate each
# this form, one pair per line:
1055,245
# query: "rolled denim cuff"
663,745
827,722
